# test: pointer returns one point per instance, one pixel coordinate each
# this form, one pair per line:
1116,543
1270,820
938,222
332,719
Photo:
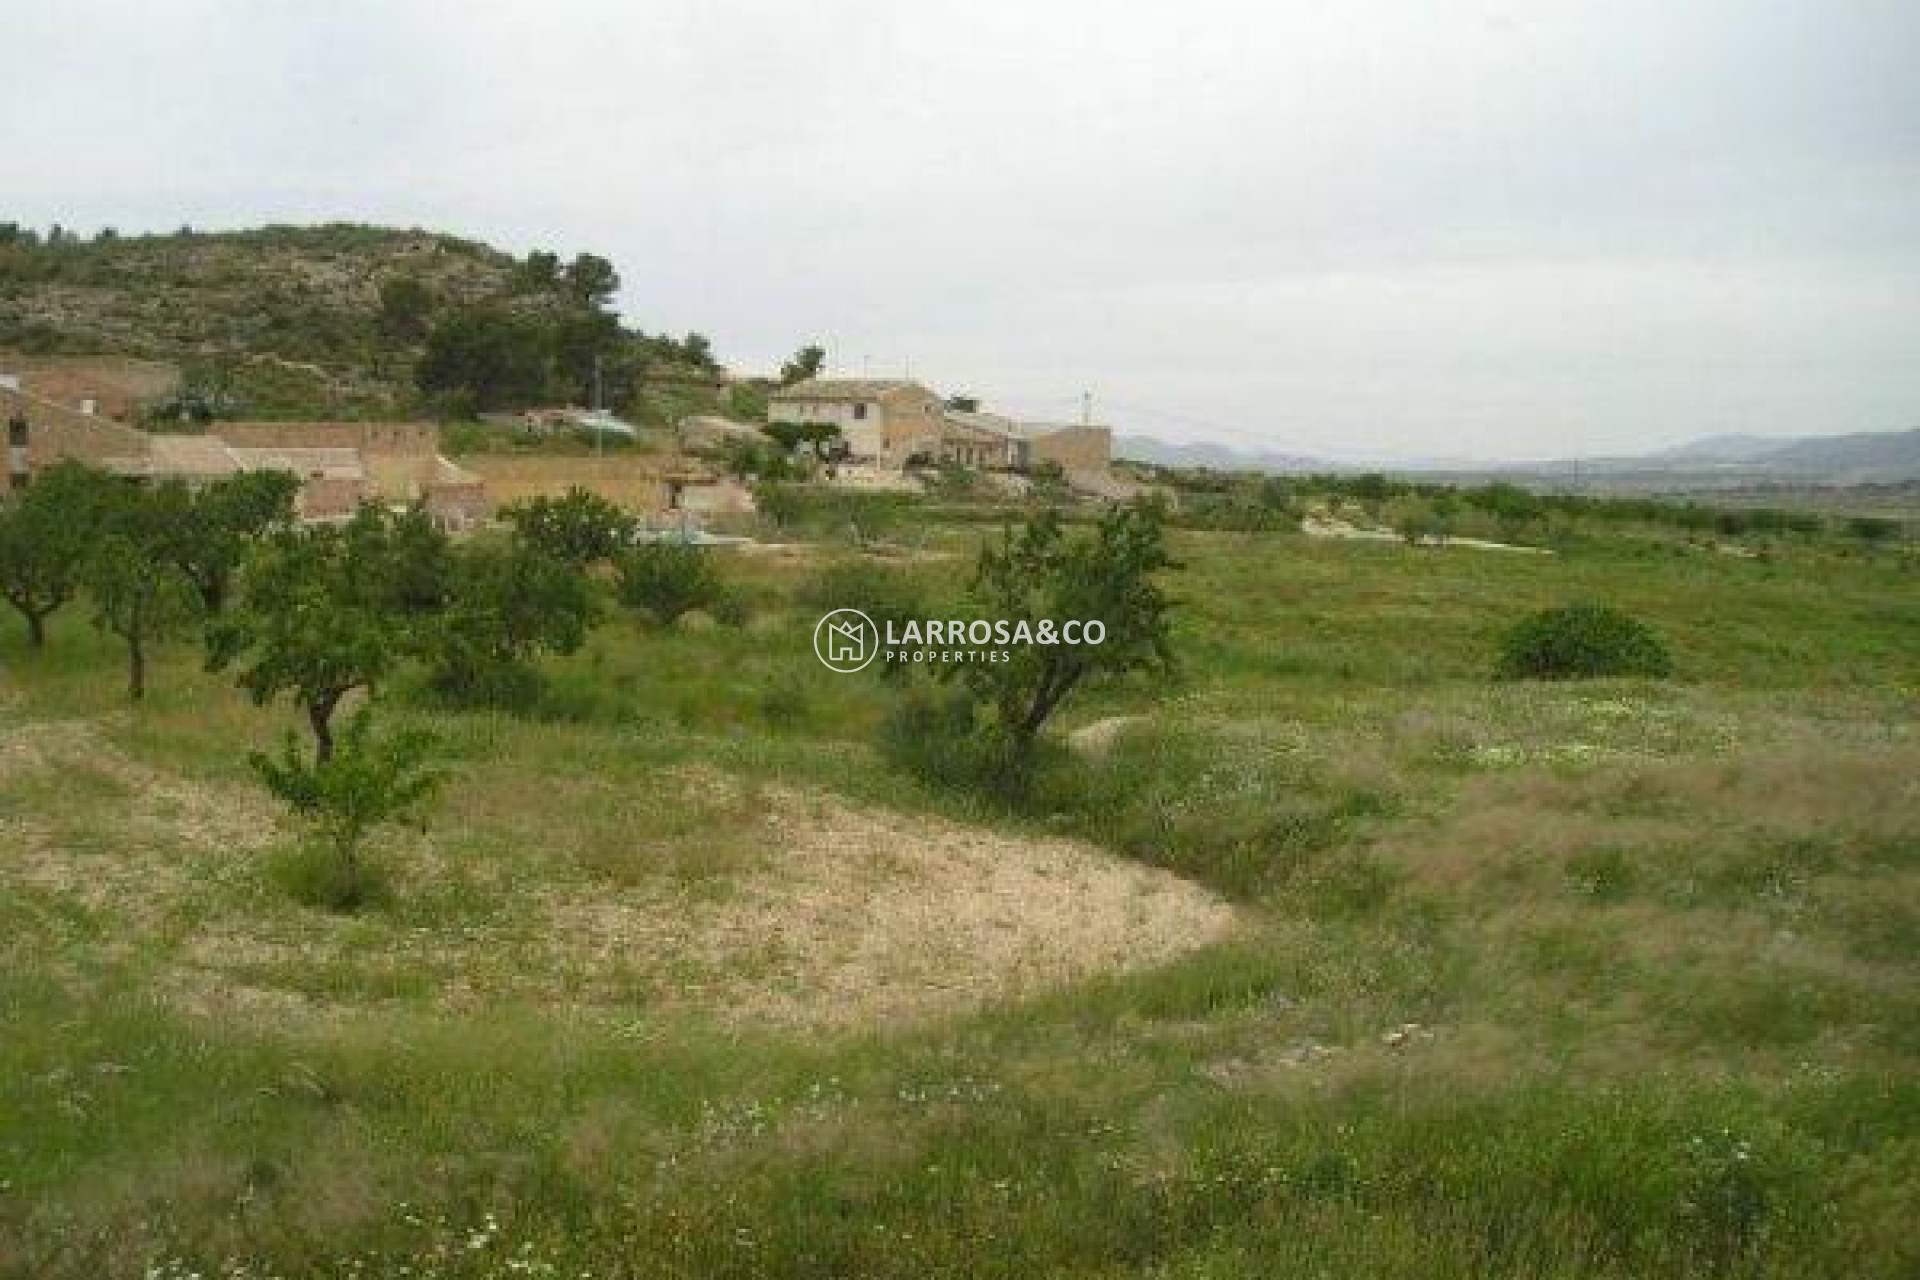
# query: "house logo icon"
846,640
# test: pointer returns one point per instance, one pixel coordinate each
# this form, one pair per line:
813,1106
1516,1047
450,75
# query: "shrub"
509,604
731,608
579,529
369,781
1582,641
786,703
313,875
668,579
934,734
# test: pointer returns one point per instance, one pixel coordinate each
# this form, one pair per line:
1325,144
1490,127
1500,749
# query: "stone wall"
1074,448
373,439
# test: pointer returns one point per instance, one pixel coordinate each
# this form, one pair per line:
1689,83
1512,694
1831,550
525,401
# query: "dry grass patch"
865,915
690,889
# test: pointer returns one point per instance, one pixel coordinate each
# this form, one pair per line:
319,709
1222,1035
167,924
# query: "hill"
1713,462
1871,452
1739,461
1214,457
1727,448
326,320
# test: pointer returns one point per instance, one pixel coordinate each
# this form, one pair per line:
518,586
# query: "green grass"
1655,942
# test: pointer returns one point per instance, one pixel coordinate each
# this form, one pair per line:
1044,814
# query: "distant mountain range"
1866,457
1214,457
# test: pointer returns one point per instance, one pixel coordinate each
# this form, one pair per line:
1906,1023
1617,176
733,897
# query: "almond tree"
137,594
1041,573
324,612
44,541
371,780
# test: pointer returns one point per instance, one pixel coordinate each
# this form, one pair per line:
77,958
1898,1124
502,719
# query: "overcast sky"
1374,229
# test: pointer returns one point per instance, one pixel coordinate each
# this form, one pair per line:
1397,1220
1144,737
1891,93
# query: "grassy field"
1342,960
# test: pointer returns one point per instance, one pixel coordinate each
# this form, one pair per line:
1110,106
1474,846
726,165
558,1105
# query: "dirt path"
1327,527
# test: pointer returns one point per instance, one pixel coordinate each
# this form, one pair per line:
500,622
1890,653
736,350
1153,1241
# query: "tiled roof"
847,389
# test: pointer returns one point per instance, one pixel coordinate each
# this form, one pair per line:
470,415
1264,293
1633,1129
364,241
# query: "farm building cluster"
91,409
84,412
894,423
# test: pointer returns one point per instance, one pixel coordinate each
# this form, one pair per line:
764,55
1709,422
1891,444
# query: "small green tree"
697,349
207,534
323,612
668,579
137,594
45,538
806,363
405,307
1040,573
820,437
486,357
590,280
578,529
509,604
370,780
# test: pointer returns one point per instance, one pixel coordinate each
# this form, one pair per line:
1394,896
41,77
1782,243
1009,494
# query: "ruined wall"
1074,448
55,433
373,439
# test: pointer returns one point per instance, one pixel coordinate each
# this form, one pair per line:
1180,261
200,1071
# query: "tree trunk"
36,631
136,667
320,720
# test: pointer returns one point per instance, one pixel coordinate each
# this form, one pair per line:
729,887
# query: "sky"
1374,229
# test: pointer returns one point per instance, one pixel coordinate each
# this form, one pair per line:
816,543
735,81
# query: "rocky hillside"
293,321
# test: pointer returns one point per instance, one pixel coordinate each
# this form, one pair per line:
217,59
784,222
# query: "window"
859,411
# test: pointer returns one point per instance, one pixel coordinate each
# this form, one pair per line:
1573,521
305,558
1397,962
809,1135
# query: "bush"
731,608
370,780
786,703
314,876
1580,642
934,734
668,579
